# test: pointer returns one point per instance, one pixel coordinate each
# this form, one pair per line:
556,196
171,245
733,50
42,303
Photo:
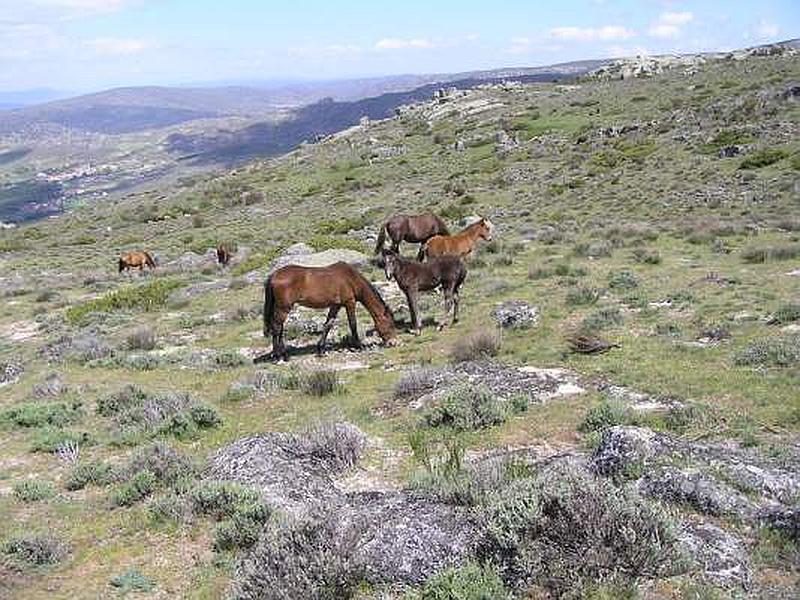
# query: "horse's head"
485,229
389,263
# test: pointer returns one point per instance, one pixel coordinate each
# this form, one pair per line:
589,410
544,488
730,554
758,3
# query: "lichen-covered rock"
785,520
515,314
719,556
321,259
622,447
10,372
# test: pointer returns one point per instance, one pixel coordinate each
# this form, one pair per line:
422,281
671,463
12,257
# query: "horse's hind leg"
449,303
416,324
334,310
351,319
278,347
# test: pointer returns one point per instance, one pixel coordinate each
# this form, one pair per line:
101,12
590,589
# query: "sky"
85,45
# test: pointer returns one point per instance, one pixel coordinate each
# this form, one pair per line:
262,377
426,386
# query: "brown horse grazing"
132,260
224,253
329,287
461,244
447,272
414,229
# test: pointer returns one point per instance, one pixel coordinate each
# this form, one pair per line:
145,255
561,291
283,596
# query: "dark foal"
445,272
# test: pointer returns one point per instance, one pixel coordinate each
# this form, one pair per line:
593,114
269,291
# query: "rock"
190,261
696,488
721,556
729,151
53,386
321,259
516,314
10,373
786,520
402,538
298,249
622,447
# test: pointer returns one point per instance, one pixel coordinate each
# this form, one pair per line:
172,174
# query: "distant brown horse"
137,259
329,287
447,272
414,229
224,253
460,244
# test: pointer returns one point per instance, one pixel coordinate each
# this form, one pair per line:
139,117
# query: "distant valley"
106,144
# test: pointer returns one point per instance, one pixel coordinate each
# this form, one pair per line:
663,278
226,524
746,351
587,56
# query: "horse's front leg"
350,307
449,302
334,310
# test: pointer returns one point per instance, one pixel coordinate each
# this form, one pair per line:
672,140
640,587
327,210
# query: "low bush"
646,256
329,242
608,413
602,319
322,383
468,407
142,297
566,530
237,393
779,351
169,466
240,509
598,249
786,313
582,296
417,382
763,158
135,489
52,439
478,345
337,444
471,581
764,254
34,490
303,559
36,549
88,473
40,414
622,280
142,338
132,581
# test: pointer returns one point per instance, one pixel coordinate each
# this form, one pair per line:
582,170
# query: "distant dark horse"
447,272
415,229
224,253
133,260
322,287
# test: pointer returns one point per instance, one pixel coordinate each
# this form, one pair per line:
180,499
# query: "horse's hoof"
416,332
441,327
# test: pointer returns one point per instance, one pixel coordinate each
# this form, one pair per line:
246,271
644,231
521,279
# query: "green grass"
145,297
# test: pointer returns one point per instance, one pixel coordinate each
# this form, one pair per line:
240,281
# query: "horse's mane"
376,292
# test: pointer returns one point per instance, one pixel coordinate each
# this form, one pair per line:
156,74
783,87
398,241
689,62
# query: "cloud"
329,51
109,46
765,30
670,24
591,34
404,44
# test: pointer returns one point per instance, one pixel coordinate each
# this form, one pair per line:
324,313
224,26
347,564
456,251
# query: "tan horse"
329,287
461,244
137,259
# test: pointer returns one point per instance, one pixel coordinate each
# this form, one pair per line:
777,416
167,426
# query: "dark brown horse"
415,229
224,253
137,259
445,272
322,287
460,244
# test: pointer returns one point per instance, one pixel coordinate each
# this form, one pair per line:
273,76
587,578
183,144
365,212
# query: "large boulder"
516,314
321,259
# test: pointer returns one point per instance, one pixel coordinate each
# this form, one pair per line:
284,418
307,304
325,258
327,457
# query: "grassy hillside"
661,213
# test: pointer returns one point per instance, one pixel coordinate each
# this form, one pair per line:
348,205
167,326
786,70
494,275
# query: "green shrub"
582,296
137,488
478,345
132,581
467,407
52,439
141,338
602,319
607,414
566,530
471,581
297,559
89,473
622,280
787,313
40,414
763,158
124,398
328,242
765,254
33,490
322,383
257,261
646,256
229,359
173,414
779,351
342,225
143,297
36,550
168,465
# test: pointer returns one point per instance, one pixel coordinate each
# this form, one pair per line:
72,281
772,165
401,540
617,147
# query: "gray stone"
721,557
321,259
10,372
621,447
516,314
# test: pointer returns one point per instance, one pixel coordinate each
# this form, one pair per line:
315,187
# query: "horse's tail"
381,239
149,259
121,265
269,306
